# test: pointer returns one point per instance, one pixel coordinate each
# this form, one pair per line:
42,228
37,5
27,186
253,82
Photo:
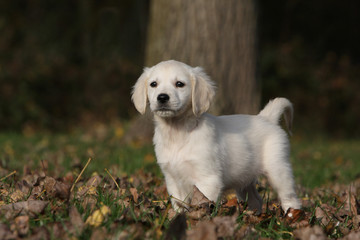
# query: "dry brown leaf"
171,213
198,197
24,186
243,232
56,188
231,203
197,214
62,190
89,201
57,229
124,202
76,219
225,225
350,203
30,207
352,236
322,213
134,231
356,221
310,233
161,192
17,195
135,194
22,225
94,181
40,233
99,233
6,233
203,231
294,215
49,184
36,193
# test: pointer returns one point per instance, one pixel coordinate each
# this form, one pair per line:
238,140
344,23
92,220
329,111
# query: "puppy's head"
172,88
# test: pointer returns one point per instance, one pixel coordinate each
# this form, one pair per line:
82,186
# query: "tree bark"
219,36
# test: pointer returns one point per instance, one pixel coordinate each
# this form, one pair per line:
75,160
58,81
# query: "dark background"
65,64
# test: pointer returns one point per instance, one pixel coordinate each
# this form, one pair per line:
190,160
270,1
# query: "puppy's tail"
276,108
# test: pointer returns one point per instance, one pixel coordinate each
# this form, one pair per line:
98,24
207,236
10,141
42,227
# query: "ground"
92,184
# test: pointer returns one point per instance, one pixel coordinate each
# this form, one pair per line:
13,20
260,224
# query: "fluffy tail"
276,108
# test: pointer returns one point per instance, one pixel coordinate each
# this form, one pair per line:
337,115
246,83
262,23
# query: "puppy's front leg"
211,187
179,197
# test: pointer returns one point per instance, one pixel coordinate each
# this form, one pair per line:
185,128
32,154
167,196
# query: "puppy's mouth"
165,112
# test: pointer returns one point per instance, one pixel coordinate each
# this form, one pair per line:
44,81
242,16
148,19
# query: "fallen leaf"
352,236
312,233
6,233
99,233
202,231
62,190
17,195
294,215
24,186
58,229
30,207
94,181
40,233
321,213
244,232
56,188
49,184
22,225
197,214
76,219
161,192
198,197
134,231
350,203
231,203
171,213
135,194
98,216
124,202
225,226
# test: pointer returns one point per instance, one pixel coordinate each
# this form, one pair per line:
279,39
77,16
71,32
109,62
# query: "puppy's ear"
203,91
139,92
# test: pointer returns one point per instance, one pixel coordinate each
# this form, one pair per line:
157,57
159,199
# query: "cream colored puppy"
213,153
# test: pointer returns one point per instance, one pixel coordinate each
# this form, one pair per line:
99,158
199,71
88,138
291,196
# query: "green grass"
62,152
316,162
321,161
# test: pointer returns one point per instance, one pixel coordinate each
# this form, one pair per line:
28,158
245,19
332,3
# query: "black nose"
163,98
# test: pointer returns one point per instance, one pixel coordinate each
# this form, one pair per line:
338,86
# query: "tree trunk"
219,36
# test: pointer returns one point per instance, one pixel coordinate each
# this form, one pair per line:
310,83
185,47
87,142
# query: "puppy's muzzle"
163,98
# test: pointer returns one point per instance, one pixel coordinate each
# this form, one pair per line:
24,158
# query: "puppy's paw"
292,202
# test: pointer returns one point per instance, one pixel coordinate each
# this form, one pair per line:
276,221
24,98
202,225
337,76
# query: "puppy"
214,153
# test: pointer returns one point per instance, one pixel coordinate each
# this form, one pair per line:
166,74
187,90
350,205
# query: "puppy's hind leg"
251,195
279,172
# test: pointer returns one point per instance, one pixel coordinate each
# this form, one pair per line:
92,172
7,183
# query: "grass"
316,162
104,146
319,164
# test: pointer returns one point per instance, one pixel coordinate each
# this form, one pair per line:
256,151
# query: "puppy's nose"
163,98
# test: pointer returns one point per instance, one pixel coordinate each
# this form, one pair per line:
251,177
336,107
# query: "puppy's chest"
175,152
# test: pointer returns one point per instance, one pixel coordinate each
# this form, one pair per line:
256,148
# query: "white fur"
210,152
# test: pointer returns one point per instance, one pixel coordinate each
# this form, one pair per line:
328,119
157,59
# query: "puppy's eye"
179,84
153,84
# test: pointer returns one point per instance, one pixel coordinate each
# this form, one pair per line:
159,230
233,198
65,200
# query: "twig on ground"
77,179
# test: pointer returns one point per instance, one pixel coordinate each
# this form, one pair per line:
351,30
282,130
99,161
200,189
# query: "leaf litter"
104,206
